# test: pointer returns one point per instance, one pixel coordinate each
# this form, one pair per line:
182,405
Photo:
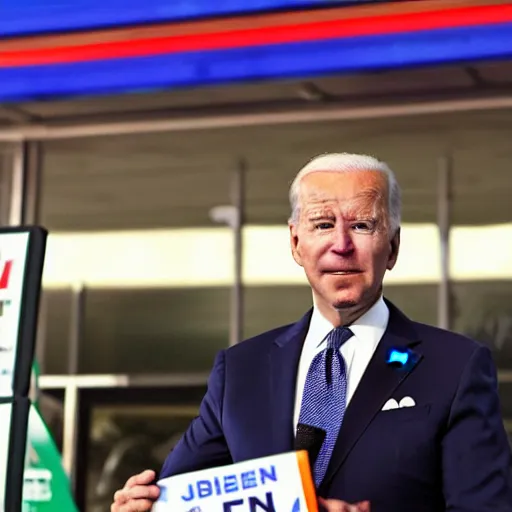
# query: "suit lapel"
378,383
284,362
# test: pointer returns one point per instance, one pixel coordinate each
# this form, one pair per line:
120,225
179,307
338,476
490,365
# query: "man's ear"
394,248
294,243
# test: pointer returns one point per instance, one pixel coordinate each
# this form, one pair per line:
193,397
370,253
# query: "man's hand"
137,495
343,506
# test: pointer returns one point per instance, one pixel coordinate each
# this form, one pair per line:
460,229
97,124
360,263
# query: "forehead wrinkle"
365,201
317,204
369,194
361,202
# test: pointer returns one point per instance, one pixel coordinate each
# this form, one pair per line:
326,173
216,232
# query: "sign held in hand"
278,483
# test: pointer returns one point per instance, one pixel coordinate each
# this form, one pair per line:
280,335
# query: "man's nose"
342,241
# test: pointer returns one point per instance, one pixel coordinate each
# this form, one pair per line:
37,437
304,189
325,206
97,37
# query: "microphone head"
309,438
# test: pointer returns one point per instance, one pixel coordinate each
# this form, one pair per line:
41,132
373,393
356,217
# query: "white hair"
347,162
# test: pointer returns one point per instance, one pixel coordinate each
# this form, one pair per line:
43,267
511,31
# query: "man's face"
342,237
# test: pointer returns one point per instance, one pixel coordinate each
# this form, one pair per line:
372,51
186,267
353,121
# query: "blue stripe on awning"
19,17
257,63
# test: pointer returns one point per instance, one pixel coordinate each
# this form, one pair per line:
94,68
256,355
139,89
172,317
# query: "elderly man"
410,412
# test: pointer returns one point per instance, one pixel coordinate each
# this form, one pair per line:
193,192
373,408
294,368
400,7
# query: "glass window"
51,407
483,311
268,307
129,219
129,431
125,440
154,330
481,242
161,258
54,330
418,302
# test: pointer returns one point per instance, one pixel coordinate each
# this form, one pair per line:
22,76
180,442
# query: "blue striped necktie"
325,396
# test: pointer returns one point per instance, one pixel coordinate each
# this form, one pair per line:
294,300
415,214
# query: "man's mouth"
342,272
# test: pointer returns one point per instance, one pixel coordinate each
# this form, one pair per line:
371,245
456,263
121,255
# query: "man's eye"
324,225
362,226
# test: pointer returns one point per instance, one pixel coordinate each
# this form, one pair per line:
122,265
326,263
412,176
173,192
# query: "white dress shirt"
357,351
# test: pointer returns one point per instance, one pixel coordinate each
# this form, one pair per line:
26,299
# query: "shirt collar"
369,327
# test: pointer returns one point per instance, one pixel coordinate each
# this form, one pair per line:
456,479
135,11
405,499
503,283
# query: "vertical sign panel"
21,265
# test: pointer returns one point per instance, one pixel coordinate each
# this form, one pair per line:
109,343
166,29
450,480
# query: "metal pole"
70,432
71,395
76,327
33,175
237,299
18,184
25,183
444,197
5,187
42,332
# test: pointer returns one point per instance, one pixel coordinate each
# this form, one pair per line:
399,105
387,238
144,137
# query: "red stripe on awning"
332,29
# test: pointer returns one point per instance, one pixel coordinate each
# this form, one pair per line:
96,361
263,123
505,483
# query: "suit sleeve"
476,458
203,445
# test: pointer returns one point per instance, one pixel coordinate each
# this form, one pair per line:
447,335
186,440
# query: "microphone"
309,438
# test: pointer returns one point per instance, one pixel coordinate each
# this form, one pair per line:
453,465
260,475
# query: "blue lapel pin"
401,357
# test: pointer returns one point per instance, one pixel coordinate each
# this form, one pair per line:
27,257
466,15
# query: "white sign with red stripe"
13,255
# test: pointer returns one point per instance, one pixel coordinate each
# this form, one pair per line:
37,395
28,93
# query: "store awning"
265,47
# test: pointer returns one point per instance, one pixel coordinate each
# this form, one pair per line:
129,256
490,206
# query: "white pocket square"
390,404
406,401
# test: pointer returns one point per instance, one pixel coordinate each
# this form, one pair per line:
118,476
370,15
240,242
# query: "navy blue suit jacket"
448,453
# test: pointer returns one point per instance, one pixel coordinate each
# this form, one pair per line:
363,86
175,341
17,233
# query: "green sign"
45,484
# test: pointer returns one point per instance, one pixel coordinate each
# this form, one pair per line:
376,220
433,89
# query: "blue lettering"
230,483
228,505
204,488
249,479
264,474
190,494
218,490
254,503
